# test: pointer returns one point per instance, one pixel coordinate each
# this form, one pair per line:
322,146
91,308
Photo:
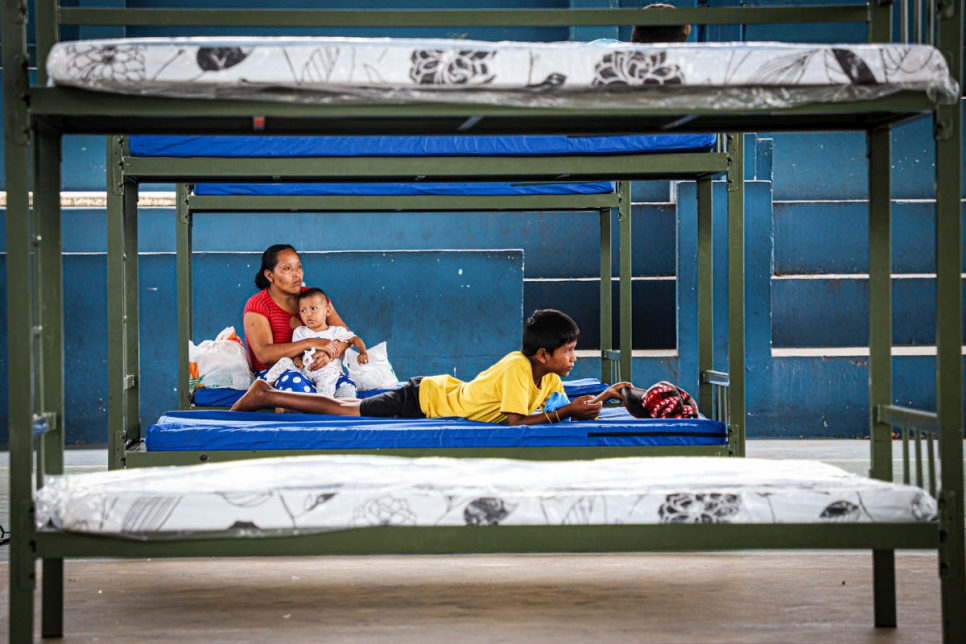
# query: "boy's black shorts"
398,403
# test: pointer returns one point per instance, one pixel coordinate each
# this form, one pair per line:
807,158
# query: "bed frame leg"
52,607
884,587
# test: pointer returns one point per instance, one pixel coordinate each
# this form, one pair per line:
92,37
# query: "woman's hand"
319,360
363,358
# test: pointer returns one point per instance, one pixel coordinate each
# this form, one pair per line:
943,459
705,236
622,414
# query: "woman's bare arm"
262,344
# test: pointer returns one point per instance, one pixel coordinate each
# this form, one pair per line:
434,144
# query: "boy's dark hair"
269,262
660,33
309,292
548,329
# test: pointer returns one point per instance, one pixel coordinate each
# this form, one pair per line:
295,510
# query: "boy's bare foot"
254,398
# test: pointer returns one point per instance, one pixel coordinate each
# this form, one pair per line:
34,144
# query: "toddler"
328,379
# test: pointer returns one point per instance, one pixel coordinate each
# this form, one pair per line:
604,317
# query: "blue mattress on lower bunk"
209,397
392,146
197,430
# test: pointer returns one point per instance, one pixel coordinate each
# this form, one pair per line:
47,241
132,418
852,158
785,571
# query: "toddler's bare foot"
254,398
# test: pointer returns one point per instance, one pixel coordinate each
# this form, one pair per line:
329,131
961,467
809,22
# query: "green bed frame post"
625,326
705,295
123,364
879,142
48,276
606,297
185,328
948,130
736,290
20,341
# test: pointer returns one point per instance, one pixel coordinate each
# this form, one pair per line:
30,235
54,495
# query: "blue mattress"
392,146
226,431
207,397
371,189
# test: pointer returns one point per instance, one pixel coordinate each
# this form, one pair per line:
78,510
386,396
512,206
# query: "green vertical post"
123,411
948,126
705,295
20,345
185,328
46,31
736,288
606,295
50,318
879,143
626,325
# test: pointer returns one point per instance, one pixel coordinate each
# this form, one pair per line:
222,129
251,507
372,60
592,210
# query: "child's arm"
614,391
581,408
361,348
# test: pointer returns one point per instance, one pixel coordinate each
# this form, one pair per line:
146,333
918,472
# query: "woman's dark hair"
548,329
269,262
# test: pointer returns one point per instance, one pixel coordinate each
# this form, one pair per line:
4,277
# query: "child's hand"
581,408
363,358
616,391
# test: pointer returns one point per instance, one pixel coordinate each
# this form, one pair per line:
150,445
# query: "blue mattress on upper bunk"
372,189
197,430
397,146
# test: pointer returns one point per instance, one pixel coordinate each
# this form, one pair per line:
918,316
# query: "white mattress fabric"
312,493
560,74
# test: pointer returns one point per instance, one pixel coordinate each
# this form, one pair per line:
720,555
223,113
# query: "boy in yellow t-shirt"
513,391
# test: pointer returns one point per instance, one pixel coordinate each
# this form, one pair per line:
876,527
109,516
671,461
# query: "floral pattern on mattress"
312,493
433,69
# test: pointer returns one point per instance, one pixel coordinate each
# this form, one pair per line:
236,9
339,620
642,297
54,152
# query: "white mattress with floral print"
607,73
314,493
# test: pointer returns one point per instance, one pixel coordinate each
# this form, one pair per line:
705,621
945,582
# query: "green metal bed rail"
917,426
720,407
301,18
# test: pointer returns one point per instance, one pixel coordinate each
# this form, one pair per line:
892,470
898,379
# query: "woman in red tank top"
271,315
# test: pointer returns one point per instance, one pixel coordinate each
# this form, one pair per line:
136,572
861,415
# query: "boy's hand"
581,408
363,358
615,391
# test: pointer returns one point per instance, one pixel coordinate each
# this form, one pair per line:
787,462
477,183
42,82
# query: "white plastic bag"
221,363
377,374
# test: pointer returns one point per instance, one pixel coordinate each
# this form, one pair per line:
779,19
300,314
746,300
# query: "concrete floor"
746,597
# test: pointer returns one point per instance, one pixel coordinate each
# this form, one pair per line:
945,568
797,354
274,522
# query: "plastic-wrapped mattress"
714,76
313,493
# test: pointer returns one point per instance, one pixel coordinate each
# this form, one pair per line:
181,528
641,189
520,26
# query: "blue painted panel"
828,397
834,165
439,311
832,237
557,244
834,312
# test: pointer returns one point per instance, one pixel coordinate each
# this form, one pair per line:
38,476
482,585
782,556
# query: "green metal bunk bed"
125,441
36,117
